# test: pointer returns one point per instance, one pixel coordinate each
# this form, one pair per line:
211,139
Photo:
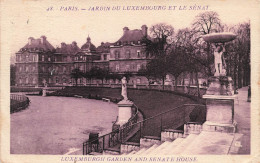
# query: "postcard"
130,81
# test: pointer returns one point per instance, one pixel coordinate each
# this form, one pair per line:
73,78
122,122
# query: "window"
33,68
127,68
64,69
42,57
57,80
105,57
26,69
117,55
128,54
65,59
20,69
49,59
26,80
138,54
117,67
34,58
138,81
34,80
64,80
138,67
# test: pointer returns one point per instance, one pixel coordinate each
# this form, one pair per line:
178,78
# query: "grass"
150,102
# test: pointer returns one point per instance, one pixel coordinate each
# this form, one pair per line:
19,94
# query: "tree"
12,74
76,74
158,48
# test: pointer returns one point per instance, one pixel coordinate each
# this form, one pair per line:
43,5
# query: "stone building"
38,62
128,54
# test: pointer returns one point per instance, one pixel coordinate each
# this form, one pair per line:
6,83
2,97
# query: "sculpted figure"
219,61
124,88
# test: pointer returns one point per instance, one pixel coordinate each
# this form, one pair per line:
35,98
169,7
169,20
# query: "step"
184,144
150,149
171,146
140,151
131,153
161,147
210,143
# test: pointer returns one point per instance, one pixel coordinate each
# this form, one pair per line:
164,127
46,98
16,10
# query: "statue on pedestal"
219,60
124,88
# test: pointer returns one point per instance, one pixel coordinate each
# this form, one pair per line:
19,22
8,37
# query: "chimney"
63,44
30,40
43,39
74,43
125,29
144,30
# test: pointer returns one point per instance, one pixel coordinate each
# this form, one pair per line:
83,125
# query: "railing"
18,102
113,139
153,126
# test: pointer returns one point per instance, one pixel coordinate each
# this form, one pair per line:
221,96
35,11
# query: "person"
219,61
249,94
124,88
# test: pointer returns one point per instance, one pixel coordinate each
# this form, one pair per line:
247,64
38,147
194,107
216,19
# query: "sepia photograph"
135,82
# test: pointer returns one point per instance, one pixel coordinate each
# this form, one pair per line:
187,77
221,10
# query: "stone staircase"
193,140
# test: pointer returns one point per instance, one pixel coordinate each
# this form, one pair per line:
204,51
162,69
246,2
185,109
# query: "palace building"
38,62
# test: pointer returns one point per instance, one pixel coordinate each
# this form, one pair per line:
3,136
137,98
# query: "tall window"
138,54
42,57
127,68
138,67
34,80
128,54
117,67
117,54
138,81
57,80
26,80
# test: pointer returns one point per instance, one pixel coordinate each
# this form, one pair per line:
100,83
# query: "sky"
27,18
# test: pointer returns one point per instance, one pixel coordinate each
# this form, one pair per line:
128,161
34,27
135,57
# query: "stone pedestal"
125,111
220,105
44,92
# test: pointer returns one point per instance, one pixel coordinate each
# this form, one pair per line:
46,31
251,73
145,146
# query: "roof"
88,46
38,44
104,47
132,36
68,48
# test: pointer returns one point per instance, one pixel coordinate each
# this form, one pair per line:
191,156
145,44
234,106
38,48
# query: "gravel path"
53,125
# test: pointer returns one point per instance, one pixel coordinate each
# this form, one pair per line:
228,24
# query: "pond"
54,125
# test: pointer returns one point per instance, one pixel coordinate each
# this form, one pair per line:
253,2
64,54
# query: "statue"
220,65
124,88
